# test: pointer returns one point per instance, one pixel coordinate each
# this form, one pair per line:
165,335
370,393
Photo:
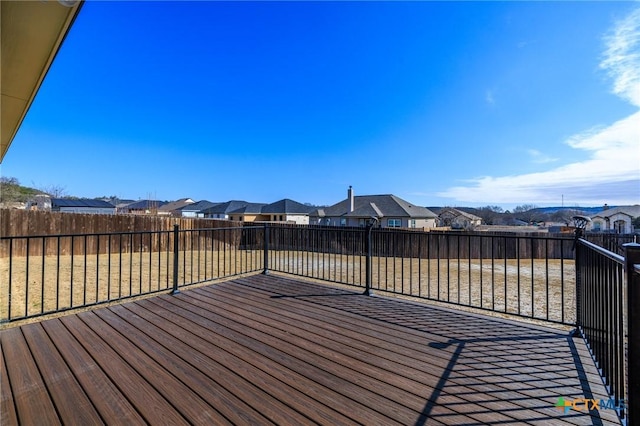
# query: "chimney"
352,201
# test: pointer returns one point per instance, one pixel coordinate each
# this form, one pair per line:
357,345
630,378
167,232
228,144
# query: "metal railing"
607,296
526,276
632,272
47,274
534,277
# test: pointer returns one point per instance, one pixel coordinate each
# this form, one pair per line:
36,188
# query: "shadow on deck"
274,350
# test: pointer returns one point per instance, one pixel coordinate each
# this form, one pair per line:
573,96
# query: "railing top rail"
103,234
613,256
89,234
223,228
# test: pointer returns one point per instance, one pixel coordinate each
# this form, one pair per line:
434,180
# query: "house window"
412,223
394,223
343,221
362,223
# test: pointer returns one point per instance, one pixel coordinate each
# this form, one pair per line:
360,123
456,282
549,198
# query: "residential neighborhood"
386,210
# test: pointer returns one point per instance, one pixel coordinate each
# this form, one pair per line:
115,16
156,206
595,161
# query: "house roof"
388,205
225,208
249,208
145,205
176,205
631,211
456,213
64,202
287,206
198,206
366,210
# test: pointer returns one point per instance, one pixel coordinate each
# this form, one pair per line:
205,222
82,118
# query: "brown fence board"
23,223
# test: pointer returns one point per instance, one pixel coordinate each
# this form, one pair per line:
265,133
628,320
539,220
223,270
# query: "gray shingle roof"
145,205
225,208
250,208
198,206
64,202
389,205
287,206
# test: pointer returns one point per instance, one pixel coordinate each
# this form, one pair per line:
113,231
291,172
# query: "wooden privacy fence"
70,233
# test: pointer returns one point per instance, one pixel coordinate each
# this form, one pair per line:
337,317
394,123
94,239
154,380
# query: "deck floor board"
278,350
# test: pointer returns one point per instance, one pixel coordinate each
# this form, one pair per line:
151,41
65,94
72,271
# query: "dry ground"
56,283
543,289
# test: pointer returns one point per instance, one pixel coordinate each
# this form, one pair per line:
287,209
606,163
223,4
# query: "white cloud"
622,58
539,157
612,172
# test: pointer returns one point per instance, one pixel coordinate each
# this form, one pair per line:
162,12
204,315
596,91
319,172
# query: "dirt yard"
55,283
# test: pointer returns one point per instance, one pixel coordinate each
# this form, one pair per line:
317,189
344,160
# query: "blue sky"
440,103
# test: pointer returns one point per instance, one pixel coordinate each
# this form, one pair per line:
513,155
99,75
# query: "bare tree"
55,191
528,213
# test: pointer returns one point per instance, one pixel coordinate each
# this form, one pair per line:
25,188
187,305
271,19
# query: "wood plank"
392,402
104,394
231,372
147,401
525,401
8,415
32,401
231,408
72,404
268,360
168,386
413,366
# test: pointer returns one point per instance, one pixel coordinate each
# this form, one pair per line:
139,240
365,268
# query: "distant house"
39,202
391,212
287,210
616,219
44,202
457,219
251,212
196,209
142,207
223,210
173,208
82,206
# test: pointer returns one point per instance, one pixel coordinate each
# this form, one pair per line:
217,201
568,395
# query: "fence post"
632,258
266,249
176,260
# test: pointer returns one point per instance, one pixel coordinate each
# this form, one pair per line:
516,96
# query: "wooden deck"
274,350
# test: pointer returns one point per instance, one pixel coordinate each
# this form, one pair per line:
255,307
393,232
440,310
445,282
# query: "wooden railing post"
632,258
